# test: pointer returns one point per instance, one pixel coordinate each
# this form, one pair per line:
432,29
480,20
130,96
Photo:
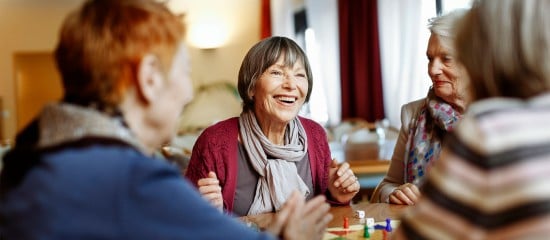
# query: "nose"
289,82
435,67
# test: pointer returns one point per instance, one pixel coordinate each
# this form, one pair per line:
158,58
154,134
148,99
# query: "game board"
357,232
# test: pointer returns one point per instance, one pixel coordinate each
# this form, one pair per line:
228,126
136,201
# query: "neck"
459,105
136,119
274,131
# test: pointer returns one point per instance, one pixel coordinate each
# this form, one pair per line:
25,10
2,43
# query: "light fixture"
208,32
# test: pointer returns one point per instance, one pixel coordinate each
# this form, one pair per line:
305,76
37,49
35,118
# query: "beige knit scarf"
275,164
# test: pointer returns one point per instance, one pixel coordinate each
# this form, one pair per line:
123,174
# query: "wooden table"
378,211
363,158
369,166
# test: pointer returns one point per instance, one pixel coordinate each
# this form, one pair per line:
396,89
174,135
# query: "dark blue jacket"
104,189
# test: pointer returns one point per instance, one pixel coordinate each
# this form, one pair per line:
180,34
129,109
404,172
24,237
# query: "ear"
149,78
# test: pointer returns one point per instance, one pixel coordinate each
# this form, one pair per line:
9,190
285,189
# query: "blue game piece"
388,225
379,227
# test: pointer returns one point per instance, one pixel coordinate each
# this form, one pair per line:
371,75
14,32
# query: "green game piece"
366,234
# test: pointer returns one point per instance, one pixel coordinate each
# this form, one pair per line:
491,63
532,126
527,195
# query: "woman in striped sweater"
492,181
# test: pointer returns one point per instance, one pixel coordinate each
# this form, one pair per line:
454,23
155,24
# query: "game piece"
346,222
370,222
379,227
388,225
366,234
360,214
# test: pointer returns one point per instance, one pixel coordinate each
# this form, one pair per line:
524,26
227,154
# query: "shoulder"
228,125
222,131
410,110
115,164
413,106
311,126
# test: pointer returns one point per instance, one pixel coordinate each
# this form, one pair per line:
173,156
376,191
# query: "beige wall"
32,26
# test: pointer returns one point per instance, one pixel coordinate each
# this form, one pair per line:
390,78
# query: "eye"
301,75
276,72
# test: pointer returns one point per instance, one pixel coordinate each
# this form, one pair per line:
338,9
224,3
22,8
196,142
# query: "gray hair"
505,47
264,54
444,25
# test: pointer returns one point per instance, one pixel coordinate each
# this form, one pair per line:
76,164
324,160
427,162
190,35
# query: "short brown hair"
264,54
102,43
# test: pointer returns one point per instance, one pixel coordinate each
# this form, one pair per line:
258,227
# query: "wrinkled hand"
406,194
343,184
300,220
210,189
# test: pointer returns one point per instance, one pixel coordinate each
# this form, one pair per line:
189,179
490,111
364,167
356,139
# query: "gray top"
247,178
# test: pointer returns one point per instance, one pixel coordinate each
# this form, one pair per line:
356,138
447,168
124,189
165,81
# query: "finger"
342,169
207,182
353,187
334,163
322,226
409,193
210,189
398,193
393,199
211,197
212,175
316,208
345,179
283,214
415,190
349,181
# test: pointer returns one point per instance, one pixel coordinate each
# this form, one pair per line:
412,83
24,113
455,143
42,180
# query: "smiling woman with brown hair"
250,164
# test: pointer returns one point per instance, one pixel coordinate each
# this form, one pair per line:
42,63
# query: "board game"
354,232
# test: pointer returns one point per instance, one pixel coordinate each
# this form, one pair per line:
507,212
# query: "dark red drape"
265,15
360,70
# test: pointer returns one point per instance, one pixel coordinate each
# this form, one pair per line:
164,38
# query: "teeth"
286,99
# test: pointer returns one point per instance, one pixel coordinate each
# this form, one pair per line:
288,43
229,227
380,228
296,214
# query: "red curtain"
265,15
360,70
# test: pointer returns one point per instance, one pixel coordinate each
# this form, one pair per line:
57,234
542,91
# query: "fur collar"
63,122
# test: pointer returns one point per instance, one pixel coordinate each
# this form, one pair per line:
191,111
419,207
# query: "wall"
32,26
26,26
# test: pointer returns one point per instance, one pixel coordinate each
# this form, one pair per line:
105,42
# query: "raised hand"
343,184
300,220
210,189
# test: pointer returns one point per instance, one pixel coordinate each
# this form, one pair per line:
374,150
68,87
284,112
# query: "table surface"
369,166
378,211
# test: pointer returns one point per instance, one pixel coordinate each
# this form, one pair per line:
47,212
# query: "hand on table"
343,184
298,219
210,189
407,193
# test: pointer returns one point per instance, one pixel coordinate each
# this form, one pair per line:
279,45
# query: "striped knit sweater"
493,178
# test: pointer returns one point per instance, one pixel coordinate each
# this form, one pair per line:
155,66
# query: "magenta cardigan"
216,150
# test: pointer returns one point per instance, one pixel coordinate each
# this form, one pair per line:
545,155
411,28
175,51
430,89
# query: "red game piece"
346,222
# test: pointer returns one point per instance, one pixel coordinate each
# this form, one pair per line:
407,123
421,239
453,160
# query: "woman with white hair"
425,122
492,179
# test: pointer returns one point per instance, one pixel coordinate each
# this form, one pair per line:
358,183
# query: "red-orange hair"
101,45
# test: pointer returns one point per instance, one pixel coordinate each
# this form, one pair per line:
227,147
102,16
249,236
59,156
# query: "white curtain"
403,39
322,18
282,18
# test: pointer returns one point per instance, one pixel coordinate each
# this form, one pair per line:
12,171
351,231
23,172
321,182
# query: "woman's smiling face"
280,91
